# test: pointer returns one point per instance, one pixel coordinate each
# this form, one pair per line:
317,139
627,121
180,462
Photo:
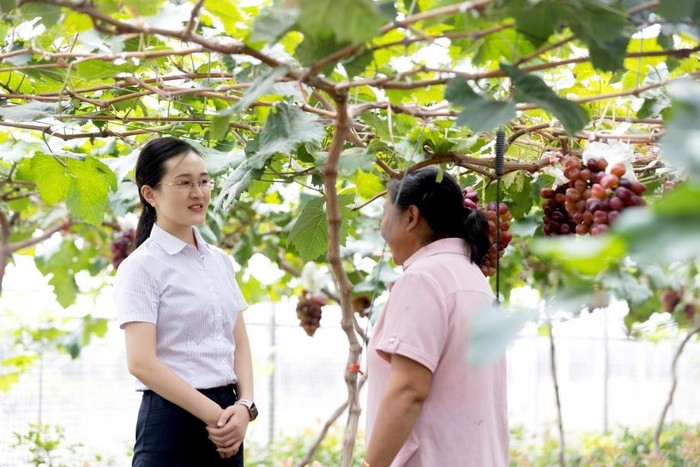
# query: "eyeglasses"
205,184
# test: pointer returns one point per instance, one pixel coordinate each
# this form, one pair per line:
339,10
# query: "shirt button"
211,289
392,340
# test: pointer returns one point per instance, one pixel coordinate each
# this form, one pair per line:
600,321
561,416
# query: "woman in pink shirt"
427,406
180,306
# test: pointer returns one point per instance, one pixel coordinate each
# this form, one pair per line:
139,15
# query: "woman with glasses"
180,306
426,405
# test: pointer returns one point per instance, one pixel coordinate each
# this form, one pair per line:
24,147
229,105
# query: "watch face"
252,409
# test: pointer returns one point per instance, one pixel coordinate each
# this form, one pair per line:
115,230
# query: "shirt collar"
172,244
445,245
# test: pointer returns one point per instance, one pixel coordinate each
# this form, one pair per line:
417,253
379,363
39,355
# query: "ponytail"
145,225
476,234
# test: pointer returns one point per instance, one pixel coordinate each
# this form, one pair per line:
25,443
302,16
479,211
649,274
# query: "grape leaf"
532,89
536,21
62,267
228,12
88,195
272,23
34,110
83,183
678,240
350,20
50,179
480,113
310,231
680,142
259,87
286,127
586,255
676,10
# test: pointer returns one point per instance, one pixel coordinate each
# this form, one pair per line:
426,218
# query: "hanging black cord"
500,149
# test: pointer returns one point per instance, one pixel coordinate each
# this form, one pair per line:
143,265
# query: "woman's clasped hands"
228,432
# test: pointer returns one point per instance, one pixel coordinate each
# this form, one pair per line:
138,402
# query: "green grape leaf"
259,87
350,20
286,127
310,231
351,160
368,184
229,13
679,143
272,23
88,195
317,46
480,113
84,184
236,184
532,89
356,64
676,10
491,331
50,177
609,55
678,212
62,267
144,7
585,255
34,110
535,20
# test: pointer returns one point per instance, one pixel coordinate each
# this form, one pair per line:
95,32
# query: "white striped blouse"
192,297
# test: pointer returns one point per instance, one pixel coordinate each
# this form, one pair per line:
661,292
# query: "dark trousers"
169,436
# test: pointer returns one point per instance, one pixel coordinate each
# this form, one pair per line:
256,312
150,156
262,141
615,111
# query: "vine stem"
4,245
322,434
343,284
557,397
674,383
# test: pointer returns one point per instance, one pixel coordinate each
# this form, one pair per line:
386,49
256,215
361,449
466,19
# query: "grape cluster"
494,213
670,299
121,246
556,219
591,200
309,309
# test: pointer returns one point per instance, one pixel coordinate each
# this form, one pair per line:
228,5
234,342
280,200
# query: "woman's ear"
413,217
148,195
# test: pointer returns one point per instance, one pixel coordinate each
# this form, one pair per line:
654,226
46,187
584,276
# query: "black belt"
217,391
228,389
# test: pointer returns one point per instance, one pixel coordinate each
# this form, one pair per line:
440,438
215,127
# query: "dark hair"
441,203
150,168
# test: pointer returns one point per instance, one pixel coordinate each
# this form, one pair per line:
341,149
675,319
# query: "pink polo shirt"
464,420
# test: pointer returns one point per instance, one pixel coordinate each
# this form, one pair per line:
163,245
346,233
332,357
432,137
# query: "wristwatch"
250,405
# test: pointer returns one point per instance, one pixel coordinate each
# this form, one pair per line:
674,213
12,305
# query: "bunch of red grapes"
671,298
494,213
591,200
121,246
309,309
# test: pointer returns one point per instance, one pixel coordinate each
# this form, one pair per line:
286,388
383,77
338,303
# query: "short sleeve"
135,293
415,321
238,299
